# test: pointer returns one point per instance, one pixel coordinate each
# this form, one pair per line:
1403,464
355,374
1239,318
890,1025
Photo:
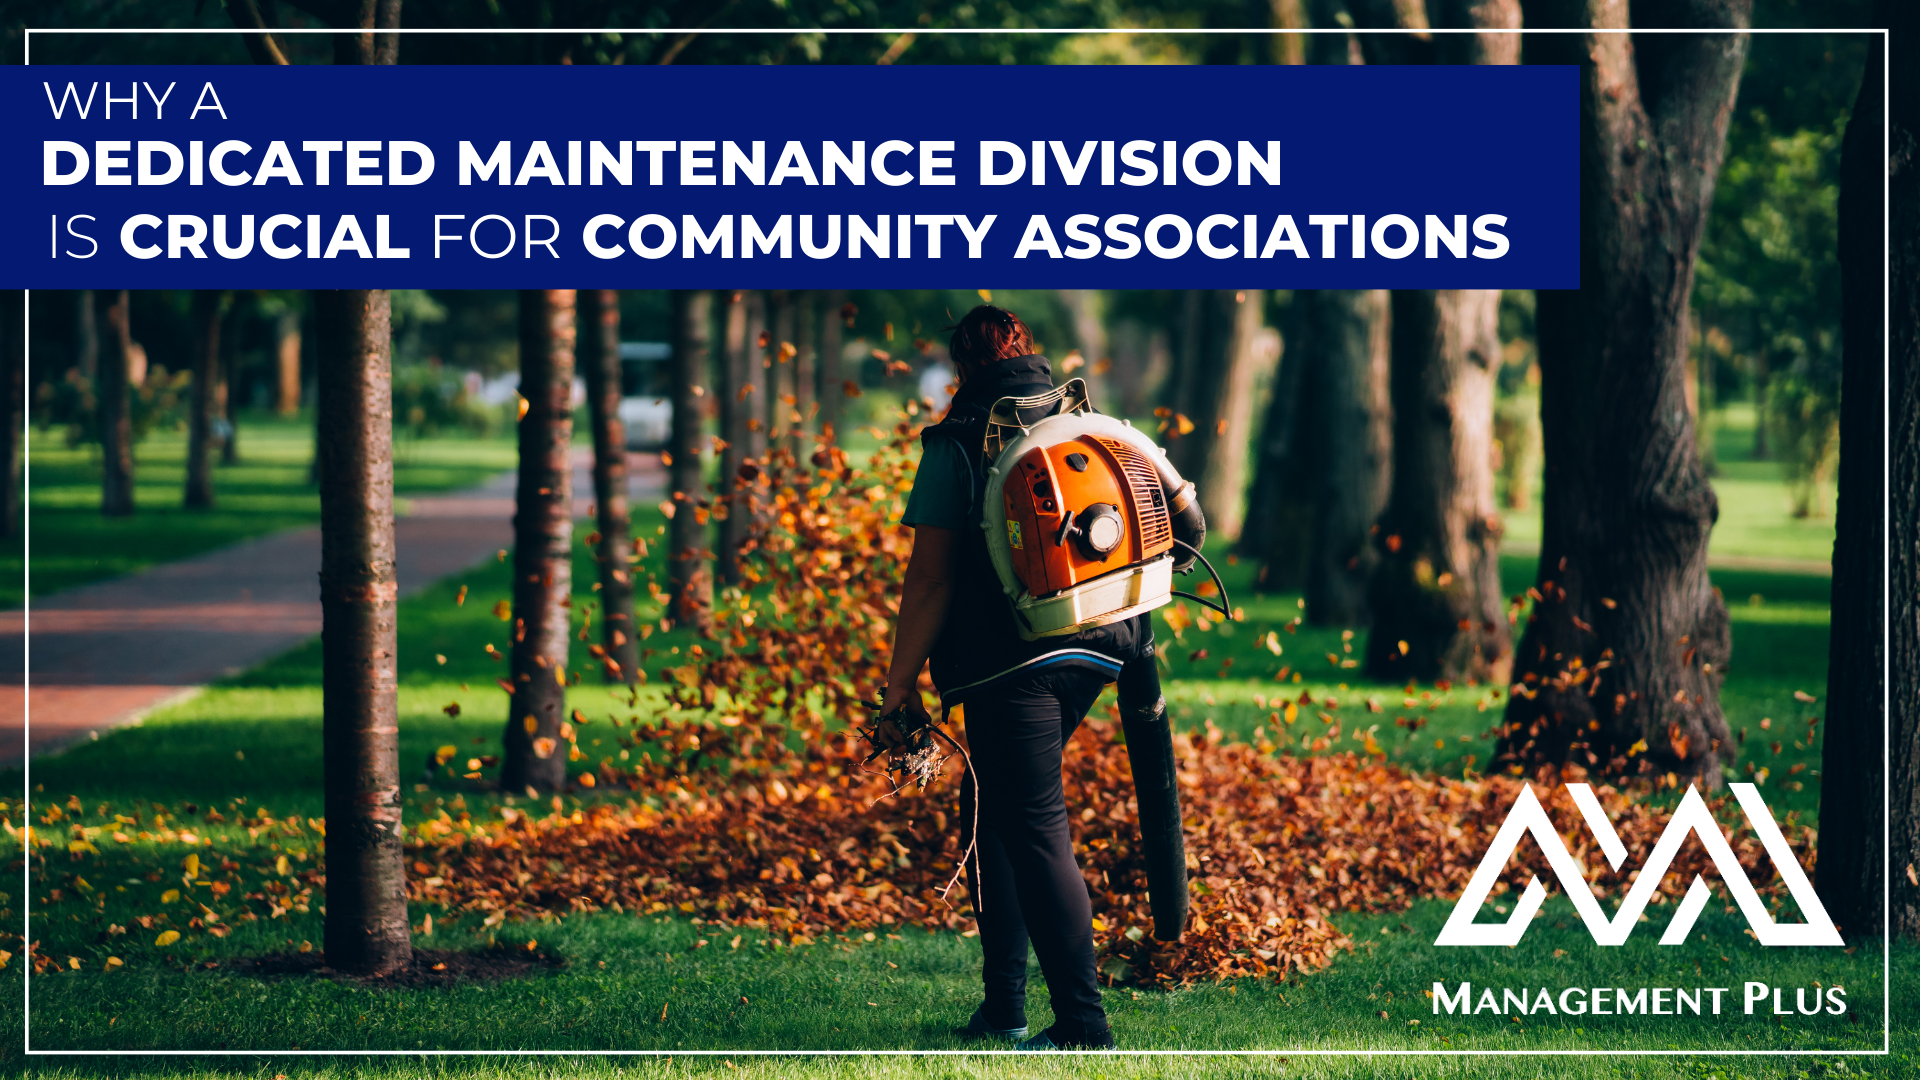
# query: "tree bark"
735,387
1325,465
1856,765
1435,595
1219,401
781,390
1904,496
86,335
208,307
286,351
1280,505
13,326
689,562
833,394
366,923
806,370
1622,658
1349,338
114,395
536,755
599,321
1090,334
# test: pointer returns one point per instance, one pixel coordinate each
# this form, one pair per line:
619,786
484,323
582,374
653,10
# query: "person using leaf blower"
1044,534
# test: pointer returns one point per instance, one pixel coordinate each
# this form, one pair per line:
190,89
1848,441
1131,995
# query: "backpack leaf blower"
1086,523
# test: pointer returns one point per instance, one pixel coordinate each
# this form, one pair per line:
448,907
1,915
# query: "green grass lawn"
1755,519
257,738
265,492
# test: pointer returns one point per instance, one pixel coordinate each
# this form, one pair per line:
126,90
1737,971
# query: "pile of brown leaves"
747,806
1275,845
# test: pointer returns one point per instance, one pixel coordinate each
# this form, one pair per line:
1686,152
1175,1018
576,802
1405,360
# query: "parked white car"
646,393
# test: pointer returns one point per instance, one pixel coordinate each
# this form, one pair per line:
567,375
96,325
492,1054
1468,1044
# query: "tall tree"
1219,378
1324,460
86,335
114,395
1325,447
1903,665
1435,595
1623,592
536,754
366,928
599,361
1855,842
366,924
734,389
1348,338
689,561
806,370
12,388
782,391
209,305
833,321
1090,334
286,353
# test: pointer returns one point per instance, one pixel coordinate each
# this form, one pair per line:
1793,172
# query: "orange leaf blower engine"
1085,519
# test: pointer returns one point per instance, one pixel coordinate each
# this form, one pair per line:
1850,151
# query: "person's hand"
887,733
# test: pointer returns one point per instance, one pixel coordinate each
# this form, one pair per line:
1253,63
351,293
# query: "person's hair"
988,334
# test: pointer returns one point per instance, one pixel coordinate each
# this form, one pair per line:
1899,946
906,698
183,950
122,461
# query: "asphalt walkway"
108,653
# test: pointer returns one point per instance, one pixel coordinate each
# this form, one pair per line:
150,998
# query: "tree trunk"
227,405
599,321
1904,512
1621,662
208,305
1855,767
1280,505
689,562
366,915
1090,334
1324,449
1435,595
758,361
86,335
734,389
114,395
781,390
806,359
536,755
286,351
1349,336
833,394
1219,402
13,387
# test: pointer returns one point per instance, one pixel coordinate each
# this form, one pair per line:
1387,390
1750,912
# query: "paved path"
108,653
1815,567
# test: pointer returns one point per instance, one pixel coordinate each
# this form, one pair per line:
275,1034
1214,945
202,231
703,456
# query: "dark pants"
1029,888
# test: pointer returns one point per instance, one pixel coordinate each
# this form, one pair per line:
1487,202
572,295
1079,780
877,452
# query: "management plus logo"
1692,816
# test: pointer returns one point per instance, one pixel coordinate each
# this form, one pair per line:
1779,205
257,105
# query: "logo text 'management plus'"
1692,816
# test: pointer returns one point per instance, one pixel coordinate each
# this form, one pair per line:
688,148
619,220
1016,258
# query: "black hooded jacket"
979,646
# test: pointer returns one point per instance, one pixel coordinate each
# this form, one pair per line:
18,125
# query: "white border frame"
1886,643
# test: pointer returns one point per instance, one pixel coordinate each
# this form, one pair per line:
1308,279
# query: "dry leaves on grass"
1277,845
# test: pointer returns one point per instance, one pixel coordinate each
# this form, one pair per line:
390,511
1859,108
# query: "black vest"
979,647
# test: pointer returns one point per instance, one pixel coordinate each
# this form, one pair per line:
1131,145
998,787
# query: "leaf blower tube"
1143,718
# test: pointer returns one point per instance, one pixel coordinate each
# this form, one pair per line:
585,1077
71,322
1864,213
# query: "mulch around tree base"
430,967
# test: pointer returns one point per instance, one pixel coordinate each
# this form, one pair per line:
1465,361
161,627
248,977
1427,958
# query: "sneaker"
1101,1040
978,1028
